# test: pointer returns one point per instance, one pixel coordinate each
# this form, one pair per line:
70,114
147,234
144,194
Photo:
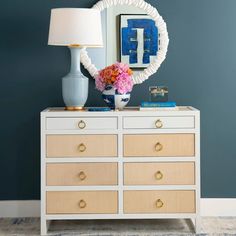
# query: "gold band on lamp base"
74,108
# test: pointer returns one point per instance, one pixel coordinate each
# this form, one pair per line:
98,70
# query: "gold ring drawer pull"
159,203
158,147
159,124
82,148
82,204
159,175
81,124
82,175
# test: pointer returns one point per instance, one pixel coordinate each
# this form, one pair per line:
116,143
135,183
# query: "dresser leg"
44,227
198,225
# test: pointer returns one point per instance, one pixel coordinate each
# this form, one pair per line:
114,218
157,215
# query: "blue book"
99,109
158,104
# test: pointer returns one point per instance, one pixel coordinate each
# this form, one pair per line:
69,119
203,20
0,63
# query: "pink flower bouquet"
119,75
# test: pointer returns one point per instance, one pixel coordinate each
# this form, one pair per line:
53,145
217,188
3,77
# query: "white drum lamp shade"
79,27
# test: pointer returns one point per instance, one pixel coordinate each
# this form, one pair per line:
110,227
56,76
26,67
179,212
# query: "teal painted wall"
200,70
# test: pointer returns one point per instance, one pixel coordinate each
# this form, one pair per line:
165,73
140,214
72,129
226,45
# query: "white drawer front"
82,123
162,122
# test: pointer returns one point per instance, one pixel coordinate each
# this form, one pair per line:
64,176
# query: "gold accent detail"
159,124
81,124
74,45
82,175
74,108
82,147
158,147
158,175
82,204
82,46
159,203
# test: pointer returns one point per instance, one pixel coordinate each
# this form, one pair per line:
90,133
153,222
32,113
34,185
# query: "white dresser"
120,165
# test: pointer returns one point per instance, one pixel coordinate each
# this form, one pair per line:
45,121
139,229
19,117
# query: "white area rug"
30,226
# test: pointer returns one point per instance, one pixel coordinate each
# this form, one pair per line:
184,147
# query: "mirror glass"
130,36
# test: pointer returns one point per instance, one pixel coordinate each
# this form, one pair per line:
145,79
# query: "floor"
30,226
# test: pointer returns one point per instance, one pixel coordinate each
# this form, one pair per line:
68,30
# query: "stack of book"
158,106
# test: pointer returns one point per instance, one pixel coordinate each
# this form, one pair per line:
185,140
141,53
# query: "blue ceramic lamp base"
75,84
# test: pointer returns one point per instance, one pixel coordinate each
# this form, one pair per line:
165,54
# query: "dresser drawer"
82,123
149,145
159,202
163,122
81,145
83,202
182,173
81,174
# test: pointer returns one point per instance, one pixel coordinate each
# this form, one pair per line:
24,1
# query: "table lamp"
75,28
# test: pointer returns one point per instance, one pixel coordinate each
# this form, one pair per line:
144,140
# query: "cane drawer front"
163,122
81,174
81,145
82,123
171,201
179,173
154,145
82,202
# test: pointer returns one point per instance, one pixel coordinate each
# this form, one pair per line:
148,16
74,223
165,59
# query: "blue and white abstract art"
139,40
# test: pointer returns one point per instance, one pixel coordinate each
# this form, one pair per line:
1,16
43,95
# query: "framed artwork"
139,40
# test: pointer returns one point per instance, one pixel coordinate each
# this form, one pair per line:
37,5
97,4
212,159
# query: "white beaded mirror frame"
140,77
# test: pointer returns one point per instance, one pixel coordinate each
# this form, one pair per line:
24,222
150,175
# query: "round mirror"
134,34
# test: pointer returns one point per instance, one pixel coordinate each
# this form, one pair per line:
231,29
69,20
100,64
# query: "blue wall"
200,70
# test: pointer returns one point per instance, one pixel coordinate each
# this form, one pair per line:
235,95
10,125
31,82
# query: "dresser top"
181,110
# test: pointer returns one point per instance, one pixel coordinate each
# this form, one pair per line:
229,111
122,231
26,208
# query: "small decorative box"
158,94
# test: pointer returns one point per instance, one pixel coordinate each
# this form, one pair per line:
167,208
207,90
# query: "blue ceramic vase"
113,99
75,84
